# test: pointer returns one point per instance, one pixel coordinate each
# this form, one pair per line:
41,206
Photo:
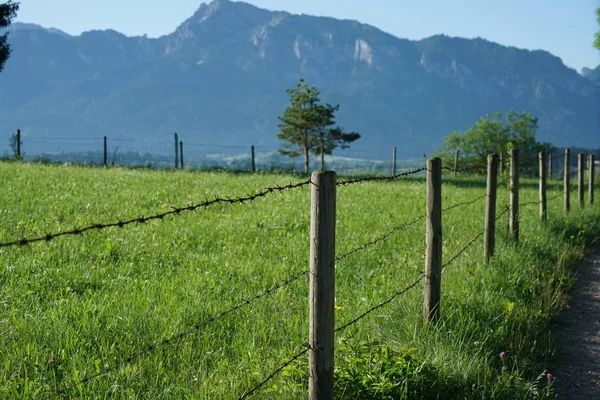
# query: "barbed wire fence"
307,348
164,153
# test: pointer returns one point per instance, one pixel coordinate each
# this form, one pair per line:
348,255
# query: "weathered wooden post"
501,161
105,158
176,150
543,203
566,181
394,161
252,163
591,179
322,285
18,144
181,153
550,166
580,174
490,208
433,239
456,162
513,222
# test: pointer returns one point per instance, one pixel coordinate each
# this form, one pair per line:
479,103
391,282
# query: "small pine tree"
307,126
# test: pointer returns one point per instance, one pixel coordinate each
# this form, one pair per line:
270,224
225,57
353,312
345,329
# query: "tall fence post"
550,166
181,153
501,162
490,208
394,161
580,173
105,158
566,181
18,143
252,162
322,285
433,238
513,222
591,179
543,203
176,150
456,153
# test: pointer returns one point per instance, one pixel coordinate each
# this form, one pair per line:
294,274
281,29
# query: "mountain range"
220,79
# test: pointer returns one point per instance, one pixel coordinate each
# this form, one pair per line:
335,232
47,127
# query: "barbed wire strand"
465,203
141,220
529,203
278,370
414,283
188,332
380,178
380,238
380,305
473,240
466,169
402,226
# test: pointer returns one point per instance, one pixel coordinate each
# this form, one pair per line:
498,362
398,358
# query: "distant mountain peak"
206,11
215,23
226,9
223,73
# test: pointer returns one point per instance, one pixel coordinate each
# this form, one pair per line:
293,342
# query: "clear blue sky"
562,27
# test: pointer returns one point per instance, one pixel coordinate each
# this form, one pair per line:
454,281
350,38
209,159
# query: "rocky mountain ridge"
220,78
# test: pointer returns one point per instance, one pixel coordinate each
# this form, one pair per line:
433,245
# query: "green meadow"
79,314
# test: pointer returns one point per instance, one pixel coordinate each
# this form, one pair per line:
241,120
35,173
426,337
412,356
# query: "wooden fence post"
549,166
252,162
580,174
543,203
501,162
176,150
181,153
456,162
433,238
513,222
18,143
566,180
394,161
105,158
490,208
322,285
591,179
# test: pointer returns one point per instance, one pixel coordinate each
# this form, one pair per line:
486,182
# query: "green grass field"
76,305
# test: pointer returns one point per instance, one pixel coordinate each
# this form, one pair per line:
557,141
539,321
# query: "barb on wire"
502,213
188,332
296,356
458,254
529,203
402,226
465,203
466,169
380,178
380,238
420,278
555,197
160,216
380,305
473,240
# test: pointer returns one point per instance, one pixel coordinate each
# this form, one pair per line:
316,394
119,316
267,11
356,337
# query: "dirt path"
577,334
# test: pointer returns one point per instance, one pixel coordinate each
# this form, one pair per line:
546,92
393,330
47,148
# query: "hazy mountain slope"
220,78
